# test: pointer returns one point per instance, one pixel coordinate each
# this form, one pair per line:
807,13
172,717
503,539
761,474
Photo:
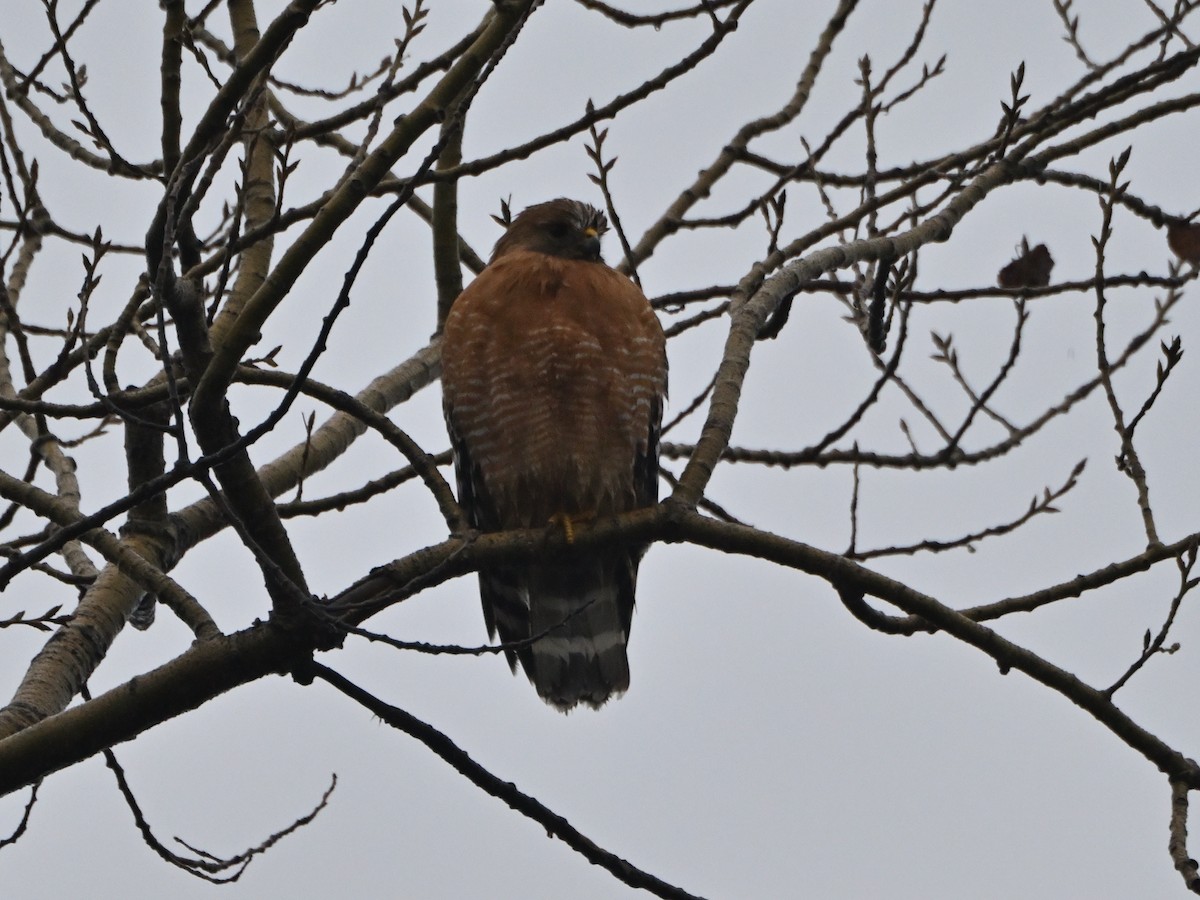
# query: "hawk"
554,373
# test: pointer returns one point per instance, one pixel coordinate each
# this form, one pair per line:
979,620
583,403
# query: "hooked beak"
592,244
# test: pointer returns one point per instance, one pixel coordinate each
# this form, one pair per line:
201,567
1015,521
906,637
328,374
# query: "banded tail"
583,608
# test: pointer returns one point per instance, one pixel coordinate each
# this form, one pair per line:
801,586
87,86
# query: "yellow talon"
564,521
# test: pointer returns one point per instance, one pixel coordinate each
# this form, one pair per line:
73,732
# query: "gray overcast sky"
770,745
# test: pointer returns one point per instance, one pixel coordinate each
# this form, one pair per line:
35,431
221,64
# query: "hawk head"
564,228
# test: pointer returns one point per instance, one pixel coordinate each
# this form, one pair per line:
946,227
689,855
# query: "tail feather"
582,657
582,609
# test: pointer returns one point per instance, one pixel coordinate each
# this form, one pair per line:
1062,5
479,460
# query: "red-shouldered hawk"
554,372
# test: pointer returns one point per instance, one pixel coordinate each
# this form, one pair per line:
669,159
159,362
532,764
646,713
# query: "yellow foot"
568,521
563,520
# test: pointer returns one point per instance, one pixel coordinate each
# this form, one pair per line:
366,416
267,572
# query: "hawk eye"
558,229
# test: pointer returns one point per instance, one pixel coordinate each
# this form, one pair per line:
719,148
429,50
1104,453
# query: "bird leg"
568,521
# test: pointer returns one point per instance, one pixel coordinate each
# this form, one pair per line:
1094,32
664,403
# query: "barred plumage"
554,373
